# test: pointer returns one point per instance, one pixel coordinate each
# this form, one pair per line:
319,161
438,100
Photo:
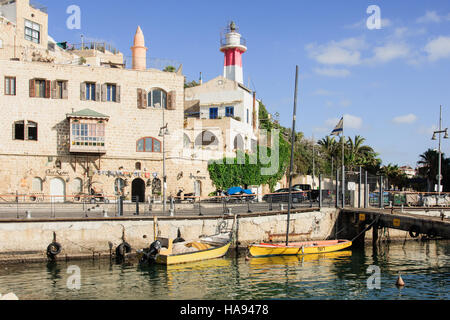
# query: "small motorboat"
297,248
169,252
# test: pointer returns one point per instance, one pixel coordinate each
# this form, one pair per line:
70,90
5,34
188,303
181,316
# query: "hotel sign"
56,173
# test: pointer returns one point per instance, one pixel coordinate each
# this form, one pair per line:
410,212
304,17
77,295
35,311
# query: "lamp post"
440,131
163,132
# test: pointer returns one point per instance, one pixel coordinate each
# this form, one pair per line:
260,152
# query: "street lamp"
440,131
163,132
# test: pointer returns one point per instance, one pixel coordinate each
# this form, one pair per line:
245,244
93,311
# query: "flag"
339,128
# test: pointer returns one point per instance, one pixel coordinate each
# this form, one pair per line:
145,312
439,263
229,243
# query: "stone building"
75,119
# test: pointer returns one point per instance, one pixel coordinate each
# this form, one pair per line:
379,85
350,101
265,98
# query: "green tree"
170,69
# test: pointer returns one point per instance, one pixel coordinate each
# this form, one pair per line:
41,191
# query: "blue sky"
388,83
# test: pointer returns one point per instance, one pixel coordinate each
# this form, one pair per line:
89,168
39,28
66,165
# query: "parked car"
312,194
282,195
238,194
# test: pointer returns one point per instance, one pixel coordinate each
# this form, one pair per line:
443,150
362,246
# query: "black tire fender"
122,249
54,249
414,231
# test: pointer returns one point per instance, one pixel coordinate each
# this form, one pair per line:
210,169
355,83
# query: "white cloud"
350,122
332,72
389,52
438,48
430,16
345,52
409,118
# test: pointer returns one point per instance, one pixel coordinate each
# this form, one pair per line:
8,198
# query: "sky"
388,83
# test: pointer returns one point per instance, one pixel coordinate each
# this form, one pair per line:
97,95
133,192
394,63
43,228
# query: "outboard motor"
150,254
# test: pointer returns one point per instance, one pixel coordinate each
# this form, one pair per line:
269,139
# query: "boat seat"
198,245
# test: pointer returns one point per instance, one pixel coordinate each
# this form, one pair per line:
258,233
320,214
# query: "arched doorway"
138,190
58,190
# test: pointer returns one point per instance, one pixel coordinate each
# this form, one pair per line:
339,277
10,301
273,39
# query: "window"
90,91
248,117
10,86
111,91
60,89
213,113
157,98
138,166
77,185
1,44
26,131
206,138
88,134
32,31
39,88
186,141
148,144
32,131
19,130
229,112
36,185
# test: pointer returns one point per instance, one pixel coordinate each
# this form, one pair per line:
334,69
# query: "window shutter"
65,90
98,91
139,98
32,89
144,99
104,90
54,86
83,91
118,91
48,88
171,100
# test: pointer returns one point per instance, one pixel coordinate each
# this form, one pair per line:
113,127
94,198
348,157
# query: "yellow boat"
294,260
298,248
170,253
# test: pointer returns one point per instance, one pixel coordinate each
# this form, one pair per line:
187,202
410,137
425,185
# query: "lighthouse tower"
233,46
139,51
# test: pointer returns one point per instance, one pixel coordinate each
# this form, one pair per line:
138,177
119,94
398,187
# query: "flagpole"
343,166
291,166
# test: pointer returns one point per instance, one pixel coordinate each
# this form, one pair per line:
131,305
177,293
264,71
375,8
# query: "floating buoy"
400,282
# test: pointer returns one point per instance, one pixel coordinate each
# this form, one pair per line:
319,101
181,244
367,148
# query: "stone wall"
26,240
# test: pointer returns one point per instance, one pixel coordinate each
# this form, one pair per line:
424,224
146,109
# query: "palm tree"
358,154
395,176
329,148
428,167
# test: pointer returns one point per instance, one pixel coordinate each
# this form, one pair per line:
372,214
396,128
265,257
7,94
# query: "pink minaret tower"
233,46
139,51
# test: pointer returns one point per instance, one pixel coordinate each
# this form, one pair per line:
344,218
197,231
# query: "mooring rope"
367,228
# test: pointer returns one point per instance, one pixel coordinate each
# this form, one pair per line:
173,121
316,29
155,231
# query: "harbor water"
351,274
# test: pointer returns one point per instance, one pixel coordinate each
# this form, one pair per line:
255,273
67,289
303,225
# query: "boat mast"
291,166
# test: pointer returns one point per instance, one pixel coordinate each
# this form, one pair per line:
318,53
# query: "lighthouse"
139,51
233,46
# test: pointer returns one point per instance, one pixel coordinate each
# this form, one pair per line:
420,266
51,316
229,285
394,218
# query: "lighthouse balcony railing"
225,42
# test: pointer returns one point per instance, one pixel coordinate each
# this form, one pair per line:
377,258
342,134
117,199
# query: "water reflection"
425,268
